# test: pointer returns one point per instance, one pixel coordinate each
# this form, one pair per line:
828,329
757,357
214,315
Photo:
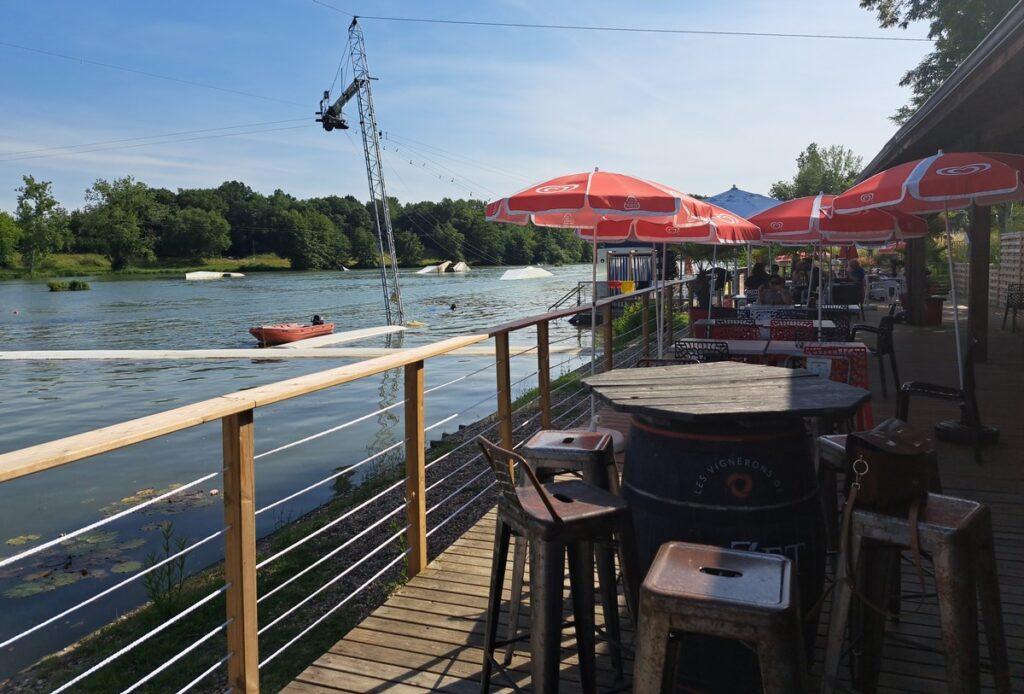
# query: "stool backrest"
1015,296
735,331
698,351
849,364
504,463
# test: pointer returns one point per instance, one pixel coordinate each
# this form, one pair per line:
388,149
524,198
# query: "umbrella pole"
952,291
659,323
593,328
821,298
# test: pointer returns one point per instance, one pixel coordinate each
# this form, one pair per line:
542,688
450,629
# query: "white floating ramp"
256,353
525,273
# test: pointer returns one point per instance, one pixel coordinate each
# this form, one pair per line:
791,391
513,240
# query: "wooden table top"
723,391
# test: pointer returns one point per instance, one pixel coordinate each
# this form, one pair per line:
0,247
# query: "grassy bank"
94,264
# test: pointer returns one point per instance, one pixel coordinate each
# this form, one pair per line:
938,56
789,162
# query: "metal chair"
968,429
958,534
555,518
735,331
747,596
790,329
1014,301
699,352
840,319
884,346
849,365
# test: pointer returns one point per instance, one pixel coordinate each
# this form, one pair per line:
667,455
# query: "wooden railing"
236,413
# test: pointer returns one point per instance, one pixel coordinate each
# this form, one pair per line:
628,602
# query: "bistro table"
719,454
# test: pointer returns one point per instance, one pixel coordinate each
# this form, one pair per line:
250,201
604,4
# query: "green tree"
42,221
408,248
194,234
819,170
123,217
364,248
956,27
9,236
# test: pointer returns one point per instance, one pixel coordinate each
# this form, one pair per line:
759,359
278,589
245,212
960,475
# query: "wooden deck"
428,636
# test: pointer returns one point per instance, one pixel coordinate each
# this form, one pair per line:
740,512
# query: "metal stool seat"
591,453
958,534
556,519
726,593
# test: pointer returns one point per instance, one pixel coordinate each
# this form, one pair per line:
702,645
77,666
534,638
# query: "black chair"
968,429
883,347
700,352
841,319
1014,301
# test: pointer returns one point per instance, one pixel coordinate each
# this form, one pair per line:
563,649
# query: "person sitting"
774,292
758,277
317,320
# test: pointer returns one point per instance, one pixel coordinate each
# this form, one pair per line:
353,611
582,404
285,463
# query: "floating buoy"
415,324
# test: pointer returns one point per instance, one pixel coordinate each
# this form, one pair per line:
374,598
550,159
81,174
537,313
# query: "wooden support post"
240,552
645,303
609,349
544,374
917,281
977,292
415,476
504,390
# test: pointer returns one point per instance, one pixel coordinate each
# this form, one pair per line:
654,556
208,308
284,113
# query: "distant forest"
133,224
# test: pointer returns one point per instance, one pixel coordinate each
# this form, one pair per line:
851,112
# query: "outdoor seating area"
480,613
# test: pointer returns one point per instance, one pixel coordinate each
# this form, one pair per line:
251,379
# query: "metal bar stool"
747,596
556,519
958,534
592,454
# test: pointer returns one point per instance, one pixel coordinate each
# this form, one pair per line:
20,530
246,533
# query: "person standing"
857,274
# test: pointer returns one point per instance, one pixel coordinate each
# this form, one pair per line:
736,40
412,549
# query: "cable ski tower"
331,118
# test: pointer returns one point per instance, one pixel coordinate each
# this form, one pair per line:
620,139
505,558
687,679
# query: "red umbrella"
937,183
704,223
584,199
811,219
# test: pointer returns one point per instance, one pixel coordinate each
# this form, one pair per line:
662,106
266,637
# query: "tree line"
132,224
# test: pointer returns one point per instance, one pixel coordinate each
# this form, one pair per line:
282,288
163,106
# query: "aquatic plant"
164,584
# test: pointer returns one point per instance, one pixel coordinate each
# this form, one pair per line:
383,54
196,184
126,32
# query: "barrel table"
719,454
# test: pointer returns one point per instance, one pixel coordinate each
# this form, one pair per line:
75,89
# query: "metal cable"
330,554
346,572
456,492
108,591
459,447
336,475
206,673
325,432
452,472
329,525
461,509
331,611
99,524
142,639
181,654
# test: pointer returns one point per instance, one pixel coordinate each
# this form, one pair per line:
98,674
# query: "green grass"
625,328
94,264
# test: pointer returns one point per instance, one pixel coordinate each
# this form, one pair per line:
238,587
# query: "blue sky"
470,110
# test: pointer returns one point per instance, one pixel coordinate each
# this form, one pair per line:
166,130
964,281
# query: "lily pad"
66,579
27,590
132,544
22,540
126,567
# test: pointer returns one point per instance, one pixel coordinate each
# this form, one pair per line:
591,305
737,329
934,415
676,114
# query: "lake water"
42,401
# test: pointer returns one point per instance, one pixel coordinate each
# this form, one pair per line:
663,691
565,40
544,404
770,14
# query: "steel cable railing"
331,611
351,567
131,579
205,673
173,659
100,523
142,639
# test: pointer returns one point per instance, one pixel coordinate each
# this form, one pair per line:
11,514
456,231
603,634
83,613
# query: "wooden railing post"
504,390
240,552
645,302
606,323
415,477
544,374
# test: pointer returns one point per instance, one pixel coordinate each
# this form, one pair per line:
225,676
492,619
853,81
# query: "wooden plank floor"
428,636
